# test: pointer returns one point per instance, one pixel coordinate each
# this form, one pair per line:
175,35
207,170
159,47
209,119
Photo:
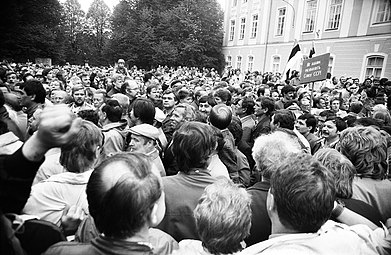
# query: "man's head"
79,95
111,112
306,123
34,93
223,96
264,105
169,99
118,81
335,104
143,138
223,217
220,116
283,119
182,113
99,98
59,96
127,200
301,195
81,153
332,128
288,92
85,79
11,78
245,107
366,148
270,149
193,144
342,169
142,111
205,104
131,89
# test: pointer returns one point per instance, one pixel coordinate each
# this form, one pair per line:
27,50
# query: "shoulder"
69,248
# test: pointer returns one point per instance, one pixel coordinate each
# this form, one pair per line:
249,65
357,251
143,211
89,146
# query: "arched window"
374,66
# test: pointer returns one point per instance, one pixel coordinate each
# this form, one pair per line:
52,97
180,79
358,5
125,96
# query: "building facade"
259,34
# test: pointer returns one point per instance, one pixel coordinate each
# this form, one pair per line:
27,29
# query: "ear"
271,205
277,124
154,219
32,97
104,115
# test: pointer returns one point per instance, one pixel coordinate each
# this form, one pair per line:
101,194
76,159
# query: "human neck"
140,236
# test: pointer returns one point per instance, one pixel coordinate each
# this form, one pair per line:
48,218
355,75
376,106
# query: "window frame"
232,30
242,30
314,13
273,63
365,63
237,62
254,26
250,69
376,7
328,28
283,17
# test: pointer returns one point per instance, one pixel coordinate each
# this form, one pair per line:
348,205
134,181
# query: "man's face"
118,82
205,108
25,100
321,104
290,95
335,105
301,126
154,94
168,100
329,130
79,97
138,143
85,80
132,90
58,97
54,85
178,114
12,79
305,105
98,100
275,96
258,110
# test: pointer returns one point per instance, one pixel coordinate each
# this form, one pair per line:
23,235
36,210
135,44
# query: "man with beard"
288,93
331,130
206,104
79,97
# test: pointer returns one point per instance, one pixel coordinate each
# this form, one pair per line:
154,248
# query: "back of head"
224,94
113,110
356,107
235,127
342,169
366,148
35,87
121,201
122,100
304,193
272,148
144,110
248,104
223,217
285,118
220,116
189,113
383,116
310,121
79,154
192,145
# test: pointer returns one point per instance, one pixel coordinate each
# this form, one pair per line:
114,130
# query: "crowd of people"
117,160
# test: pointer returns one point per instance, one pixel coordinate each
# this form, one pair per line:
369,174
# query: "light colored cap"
146,130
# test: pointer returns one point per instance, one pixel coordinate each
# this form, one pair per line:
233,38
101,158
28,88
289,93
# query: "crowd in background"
214,162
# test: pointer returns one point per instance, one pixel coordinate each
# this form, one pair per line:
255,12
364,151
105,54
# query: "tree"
74,25
175,32
30,29
98,16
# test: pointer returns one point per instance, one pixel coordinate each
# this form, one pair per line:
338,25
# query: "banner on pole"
315,69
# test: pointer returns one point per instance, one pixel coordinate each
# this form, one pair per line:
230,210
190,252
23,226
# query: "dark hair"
192,145
220,116
339,123
304,193
207,99
144,110
224,94
310,121
285,118
123,208
356,107
286,89
249,104
268,103
90,115
113,110
35,87
235,127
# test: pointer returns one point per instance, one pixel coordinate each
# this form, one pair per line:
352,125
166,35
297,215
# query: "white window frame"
279,18
376,7
331,67
332,7
237,62
310,14
229,60
242,28
254,26
272,63
250,64
232,30
365,62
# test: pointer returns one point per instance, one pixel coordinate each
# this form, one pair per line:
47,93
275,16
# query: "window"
235,2
250,63
331,64
281,21
229,61
334,14
374,66
239,62
242,28
276,64
383,13
254,26
310,16
232,30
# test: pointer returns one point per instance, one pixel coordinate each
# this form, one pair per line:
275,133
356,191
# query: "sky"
85,4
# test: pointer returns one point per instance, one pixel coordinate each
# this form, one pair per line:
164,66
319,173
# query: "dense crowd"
117,160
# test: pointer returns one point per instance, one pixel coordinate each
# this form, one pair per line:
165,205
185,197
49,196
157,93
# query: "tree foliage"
175,32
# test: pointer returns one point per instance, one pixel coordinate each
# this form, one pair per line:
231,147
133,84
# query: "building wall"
356,37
